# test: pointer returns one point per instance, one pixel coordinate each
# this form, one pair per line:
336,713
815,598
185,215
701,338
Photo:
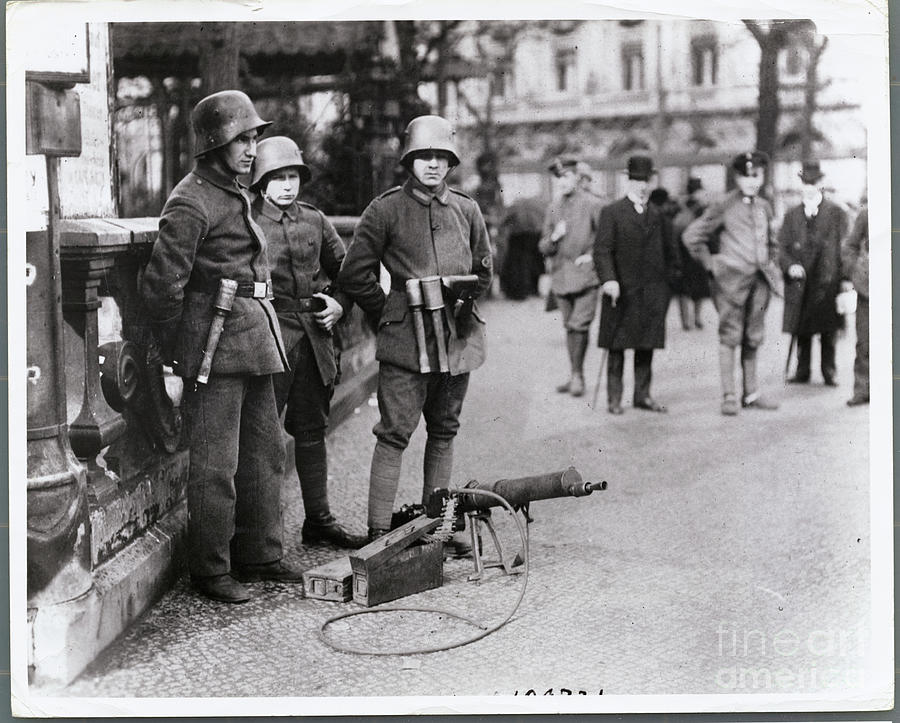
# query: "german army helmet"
429,133
278,152
221,117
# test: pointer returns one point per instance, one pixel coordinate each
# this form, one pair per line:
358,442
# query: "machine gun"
409,558
475,501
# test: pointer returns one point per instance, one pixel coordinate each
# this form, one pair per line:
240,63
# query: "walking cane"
787,363
603,356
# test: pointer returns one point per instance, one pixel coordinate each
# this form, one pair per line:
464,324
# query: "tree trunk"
219,57
809,98
769,104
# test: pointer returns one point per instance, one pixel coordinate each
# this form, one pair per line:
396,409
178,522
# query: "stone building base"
66,637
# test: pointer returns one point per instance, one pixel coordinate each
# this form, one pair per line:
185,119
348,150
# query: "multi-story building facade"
683,91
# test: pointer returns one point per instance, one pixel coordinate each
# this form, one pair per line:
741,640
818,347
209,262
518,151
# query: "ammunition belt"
303,303
245,289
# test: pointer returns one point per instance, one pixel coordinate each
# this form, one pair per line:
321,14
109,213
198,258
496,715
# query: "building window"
565,69
704,61
633,66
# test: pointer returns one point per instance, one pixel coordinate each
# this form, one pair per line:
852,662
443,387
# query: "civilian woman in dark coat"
694,286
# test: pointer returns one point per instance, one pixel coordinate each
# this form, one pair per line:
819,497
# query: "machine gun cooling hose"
495,500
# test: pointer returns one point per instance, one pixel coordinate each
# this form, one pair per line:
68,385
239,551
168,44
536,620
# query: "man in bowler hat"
637,262
810,240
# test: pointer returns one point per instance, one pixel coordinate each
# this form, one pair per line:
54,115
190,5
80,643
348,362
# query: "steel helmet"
429,133
278,152
221,117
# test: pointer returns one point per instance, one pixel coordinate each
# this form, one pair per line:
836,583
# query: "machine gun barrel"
517,492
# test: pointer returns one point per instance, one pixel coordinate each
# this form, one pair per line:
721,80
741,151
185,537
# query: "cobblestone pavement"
728,554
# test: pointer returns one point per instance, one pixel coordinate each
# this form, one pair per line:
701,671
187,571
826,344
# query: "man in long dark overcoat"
637,261
855,268
810,241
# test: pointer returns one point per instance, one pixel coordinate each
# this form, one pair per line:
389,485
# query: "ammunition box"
331,581
415,568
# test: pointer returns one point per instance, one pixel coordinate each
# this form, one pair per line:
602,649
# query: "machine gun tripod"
474,502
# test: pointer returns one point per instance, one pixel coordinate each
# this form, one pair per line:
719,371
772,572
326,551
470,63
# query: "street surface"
729,555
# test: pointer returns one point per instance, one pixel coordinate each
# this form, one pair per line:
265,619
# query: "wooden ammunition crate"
331,581
418,567
405,561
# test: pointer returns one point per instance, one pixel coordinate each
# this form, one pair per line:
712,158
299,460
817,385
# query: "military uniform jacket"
855,254
305,254
639,252
815,244
581,212
415,234
206,233
740,233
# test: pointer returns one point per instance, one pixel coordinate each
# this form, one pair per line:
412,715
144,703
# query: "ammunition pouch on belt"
463,289
305,303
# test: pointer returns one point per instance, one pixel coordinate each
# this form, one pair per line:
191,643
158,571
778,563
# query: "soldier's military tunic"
305,253
744,267
206,233
574,285
416,232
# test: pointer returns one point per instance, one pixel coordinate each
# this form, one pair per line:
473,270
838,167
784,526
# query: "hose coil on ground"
484,630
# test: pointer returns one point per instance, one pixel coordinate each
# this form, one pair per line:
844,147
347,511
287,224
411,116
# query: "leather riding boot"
312,471
748,369
752,398
577,342
726,370
320,526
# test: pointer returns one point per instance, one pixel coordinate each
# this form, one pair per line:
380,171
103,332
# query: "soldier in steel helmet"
733,239
422,228
206,234
305,255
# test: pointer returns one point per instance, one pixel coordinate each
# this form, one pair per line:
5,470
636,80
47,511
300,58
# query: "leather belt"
245,289
304,303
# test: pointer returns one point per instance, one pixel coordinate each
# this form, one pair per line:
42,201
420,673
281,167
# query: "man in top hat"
207,234
810,240
570,225
694,286
733,239
636,261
